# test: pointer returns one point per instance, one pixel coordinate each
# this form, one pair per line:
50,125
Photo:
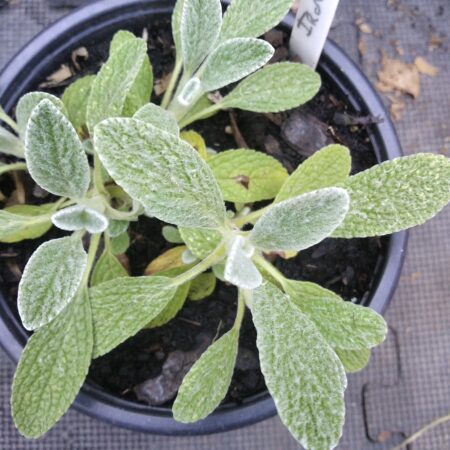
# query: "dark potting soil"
347,267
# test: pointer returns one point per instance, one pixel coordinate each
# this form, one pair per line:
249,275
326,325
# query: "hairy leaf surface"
10,144
199,241
199,29
246,176
50,280
202,286
353,360
276,87
326,168
28,102
233,60
206,384
121,307
343,324
75,98
303,374
79,217
55,155
161,171
158,117
302,221
396,195
252,18
107,268
52,369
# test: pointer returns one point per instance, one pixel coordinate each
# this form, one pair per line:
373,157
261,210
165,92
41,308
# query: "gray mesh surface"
408,380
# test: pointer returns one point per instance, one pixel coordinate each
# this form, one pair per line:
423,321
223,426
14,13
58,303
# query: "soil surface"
348,267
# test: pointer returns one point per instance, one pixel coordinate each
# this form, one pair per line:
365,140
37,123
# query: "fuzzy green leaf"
252,18
107,268
164,173
328,167
55,156
176,25
396,195
79,217
199,29
120,243
177,301
52,369
21,222
353,360
28,102
158,117
303,374
117,227
246,176
206,384
10,144
202,286
240,270
233,60
302,221
117,78
171,234
343,324
199,241
121,307
274,88
75,98
50,280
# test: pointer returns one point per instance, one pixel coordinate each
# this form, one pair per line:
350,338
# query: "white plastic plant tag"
311,27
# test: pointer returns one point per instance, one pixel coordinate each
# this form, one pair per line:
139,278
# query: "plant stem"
8,120
243,220
203,265
422,431
14,166
240,311
200,115
173,79
270,269
93,247
98,176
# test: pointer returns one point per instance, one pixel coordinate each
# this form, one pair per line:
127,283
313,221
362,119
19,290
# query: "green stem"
14,166
240,311
93,247
210,260
240,221
121,215
172,83
200,115
422,431
270,269
8,120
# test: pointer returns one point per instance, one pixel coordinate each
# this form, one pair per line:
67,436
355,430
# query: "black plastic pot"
95,22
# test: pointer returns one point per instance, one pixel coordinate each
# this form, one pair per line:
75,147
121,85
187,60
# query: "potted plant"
81,307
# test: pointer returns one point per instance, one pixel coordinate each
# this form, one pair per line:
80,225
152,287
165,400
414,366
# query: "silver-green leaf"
246,175
54,154
121,307
328,167
201,242
343,324
302,221
396,195
252,18
158,117
353,360
164,173
199,29
206,384
75,99
107,268
303,374
10,144
117,78
276,87
52,369
79,217
233,60
176,25
28,102
50,280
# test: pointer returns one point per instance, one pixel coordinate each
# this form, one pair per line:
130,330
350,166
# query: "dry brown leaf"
57,77
398,75
162,83
79,53
423,66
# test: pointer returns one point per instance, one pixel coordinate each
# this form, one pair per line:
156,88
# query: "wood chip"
79,53
57,77
423,66
240,141
398,75
162,83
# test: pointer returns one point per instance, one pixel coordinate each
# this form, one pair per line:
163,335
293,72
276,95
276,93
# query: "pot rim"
107,15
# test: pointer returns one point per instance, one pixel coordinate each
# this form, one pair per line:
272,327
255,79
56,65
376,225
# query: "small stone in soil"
159,390
305,133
